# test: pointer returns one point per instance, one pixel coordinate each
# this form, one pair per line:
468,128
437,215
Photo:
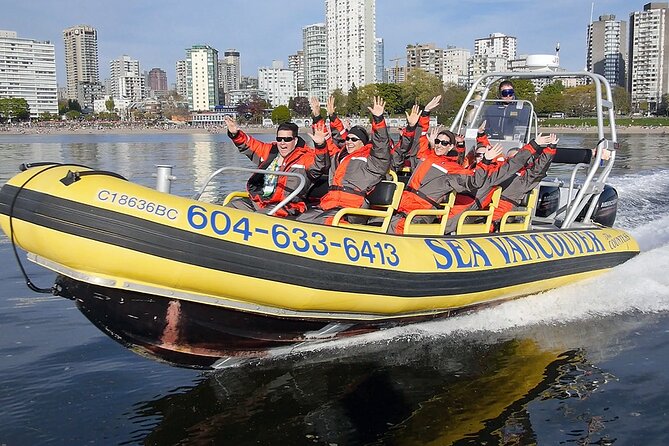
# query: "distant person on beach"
288,153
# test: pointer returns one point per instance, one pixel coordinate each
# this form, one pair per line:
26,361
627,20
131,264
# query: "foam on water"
640,285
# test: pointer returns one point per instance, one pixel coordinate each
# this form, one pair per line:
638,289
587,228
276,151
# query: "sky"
157,33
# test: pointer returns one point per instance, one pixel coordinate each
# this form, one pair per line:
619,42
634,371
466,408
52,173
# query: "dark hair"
291,126
506,83
451,135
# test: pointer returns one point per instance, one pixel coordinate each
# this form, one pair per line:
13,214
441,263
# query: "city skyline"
157,35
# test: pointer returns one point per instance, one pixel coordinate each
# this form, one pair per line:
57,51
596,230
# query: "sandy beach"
140,129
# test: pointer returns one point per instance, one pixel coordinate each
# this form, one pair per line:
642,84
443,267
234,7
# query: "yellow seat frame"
526,215
436,228
465,228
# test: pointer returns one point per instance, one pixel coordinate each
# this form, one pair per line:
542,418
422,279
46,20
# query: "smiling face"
353,143
285,142
442,144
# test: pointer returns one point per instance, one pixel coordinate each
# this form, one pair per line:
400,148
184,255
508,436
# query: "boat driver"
507,119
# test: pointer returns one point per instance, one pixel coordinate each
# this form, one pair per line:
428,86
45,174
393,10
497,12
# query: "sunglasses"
443,142
507,92
352,138
480,154
284,138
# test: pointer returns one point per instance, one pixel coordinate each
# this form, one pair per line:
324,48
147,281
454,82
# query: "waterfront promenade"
133,127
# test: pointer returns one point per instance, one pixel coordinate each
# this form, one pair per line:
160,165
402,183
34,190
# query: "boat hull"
289,278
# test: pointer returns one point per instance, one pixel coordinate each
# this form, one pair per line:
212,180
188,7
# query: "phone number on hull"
296,238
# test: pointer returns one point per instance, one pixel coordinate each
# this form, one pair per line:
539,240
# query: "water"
583,364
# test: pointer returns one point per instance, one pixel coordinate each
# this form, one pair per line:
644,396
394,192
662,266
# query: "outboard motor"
605,209
548,202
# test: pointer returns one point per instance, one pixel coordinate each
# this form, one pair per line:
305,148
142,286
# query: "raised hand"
432,134
482,127
413,116
347,123
231,124
319,134
315,106
543,140
378,107
459,138
493,152
434,103
330,106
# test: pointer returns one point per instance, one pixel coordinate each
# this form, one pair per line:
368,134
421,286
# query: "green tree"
550,99
580,101
73,104
340,100
392,94
451,101
366,95
72,115
419,88
281,114
13,109
352,102
621,100
109,104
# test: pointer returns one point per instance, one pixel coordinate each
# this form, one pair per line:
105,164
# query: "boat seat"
383,200
435,228
529,203
236,194
482,218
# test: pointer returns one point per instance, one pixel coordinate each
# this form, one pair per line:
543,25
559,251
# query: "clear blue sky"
157,33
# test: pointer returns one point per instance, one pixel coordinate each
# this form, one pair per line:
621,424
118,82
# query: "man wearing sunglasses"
288,153
507,119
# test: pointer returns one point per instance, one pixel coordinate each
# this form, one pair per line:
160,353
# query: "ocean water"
582,364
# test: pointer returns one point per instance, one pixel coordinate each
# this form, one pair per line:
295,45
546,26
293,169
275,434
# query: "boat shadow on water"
438,391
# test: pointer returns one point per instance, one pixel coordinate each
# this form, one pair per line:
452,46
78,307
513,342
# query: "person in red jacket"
438,175
288,153
355,168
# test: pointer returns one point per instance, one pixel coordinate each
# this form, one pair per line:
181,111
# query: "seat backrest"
382,194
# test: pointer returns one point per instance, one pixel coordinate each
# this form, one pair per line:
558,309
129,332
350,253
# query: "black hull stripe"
175,244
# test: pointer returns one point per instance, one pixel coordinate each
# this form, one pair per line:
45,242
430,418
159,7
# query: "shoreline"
19,131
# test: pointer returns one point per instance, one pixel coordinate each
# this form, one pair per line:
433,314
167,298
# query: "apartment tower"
649,56
351,42
202,78
607,49
315,49
28,71
81,58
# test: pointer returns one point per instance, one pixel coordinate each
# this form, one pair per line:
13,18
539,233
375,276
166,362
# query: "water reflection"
440,392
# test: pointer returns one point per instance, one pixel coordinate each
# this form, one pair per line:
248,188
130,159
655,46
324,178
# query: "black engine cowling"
605,209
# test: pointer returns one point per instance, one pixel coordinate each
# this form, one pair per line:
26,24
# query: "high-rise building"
426,57
81,58
649,55
496,45
233,69
607,49
278,82
314,47
28,71
296,63
156,81
127,81
455,66
180,82
379,60
351,43
202,78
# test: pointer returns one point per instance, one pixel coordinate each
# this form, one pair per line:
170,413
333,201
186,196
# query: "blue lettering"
502,249
436,247
588,248
516,249
457,251
548,255
576,241
558,250
478,252
528,243
599,246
